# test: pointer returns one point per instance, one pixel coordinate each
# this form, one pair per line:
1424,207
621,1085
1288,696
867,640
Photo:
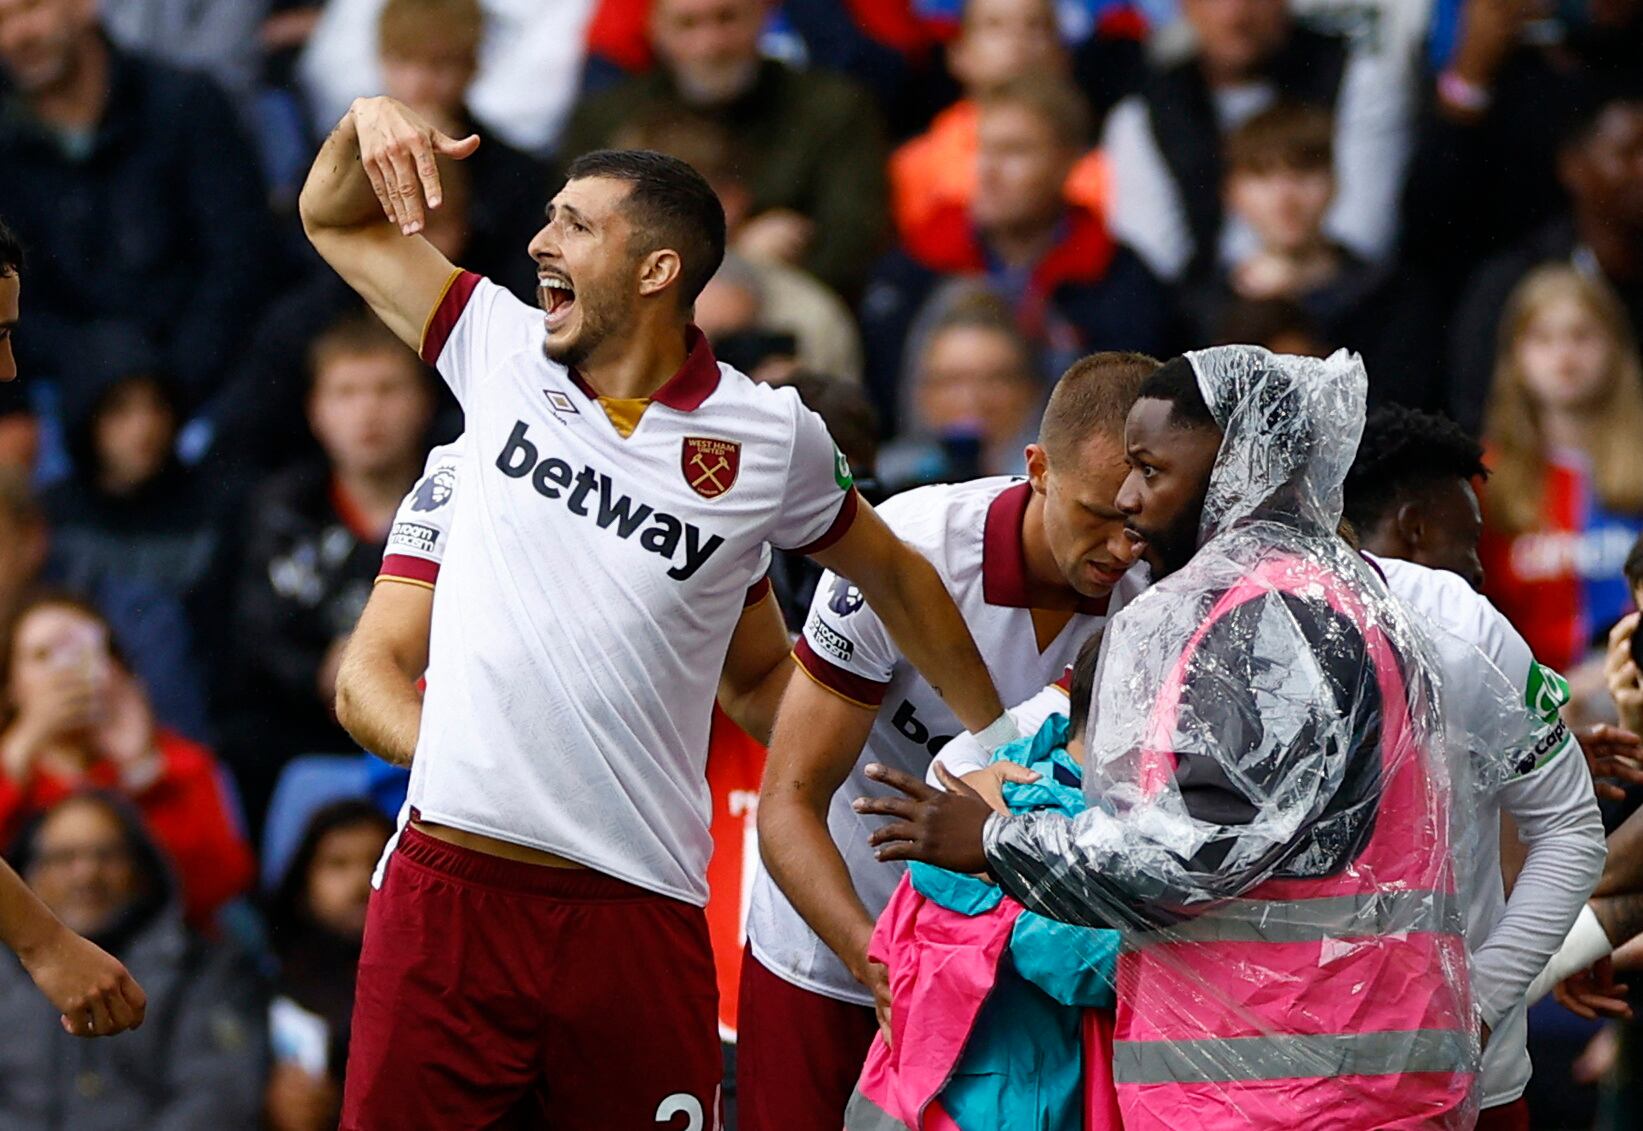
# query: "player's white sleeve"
819,498
1557,817
474,327
965,754
844,646
1548,791
422,525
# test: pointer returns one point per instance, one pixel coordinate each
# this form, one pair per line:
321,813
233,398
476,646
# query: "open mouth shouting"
557,298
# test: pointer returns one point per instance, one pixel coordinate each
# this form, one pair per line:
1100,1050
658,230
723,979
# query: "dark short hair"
1093,396
1266,322
11,252
1082,689
1176,382
670,205
1403,451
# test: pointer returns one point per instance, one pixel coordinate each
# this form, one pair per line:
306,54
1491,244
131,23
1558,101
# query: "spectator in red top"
76,717
1072,287
1565,495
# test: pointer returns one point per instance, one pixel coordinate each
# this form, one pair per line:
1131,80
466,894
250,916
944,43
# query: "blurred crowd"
934,207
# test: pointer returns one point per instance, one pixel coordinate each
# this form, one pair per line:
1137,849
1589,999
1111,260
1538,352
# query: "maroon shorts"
798,1053
494,993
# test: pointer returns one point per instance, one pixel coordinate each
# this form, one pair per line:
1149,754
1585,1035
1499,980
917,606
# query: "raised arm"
365,203
908,596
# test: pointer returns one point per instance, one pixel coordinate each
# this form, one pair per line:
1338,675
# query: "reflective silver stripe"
1310,920
862,1114
1226,1059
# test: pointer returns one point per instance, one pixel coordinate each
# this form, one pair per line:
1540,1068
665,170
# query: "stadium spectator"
1165,145
1601,166
530,64
791,301
198,1063
216,37
75,716
1280,181
1484,173
130,509
1074,289
1621,667
316,925
815,140
311,546
138,181
998,41
429,54
1565,497
19,430
974,397
152,628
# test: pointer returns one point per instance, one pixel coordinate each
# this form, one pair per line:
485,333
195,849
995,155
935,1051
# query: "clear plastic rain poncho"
1273,823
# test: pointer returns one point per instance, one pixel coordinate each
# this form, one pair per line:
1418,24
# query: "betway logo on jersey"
663,534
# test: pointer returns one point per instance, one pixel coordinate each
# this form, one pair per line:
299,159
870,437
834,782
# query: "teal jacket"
1023,1065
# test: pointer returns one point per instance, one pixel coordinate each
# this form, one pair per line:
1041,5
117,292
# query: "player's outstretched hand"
397,147
95,993
1613,755
1594,993
940,827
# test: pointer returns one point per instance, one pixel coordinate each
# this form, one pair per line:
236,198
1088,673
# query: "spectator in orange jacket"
74,716
998,41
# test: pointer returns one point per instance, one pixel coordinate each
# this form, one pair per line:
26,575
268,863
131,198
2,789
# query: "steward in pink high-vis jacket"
1272,819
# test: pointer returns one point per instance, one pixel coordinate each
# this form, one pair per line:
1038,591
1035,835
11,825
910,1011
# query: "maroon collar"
686,389
1004,554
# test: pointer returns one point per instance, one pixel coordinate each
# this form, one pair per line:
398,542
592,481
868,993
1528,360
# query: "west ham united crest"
710,465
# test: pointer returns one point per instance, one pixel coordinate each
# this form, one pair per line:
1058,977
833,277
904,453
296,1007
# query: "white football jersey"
971,532
583,615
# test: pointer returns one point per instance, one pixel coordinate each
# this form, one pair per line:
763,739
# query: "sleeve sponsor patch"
415,536
829,641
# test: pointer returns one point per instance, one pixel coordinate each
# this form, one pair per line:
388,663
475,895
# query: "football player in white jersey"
1409,497
538,942
1035,566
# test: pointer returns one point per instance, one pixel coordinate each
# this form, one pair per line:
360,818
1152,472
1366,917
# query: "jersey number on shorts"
687,1105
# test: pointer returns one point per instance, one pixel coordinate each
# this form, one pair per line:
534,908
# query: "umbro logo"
561,403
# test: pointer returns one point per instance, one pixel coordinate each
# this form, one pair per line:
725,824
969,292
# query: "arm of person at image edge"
1048,863
94,992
